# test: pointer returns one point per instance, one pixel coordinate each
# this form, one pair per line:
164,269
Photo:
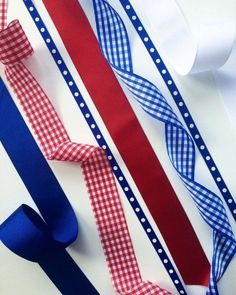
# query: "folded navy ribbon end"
26,234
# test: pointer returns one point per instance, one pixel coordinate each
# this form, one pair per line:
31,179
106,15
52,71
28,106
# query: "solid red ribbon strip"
130,139
56,144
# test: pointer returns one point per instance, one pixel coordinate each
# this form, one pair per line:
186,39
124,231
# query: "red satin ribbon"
131,141
56,144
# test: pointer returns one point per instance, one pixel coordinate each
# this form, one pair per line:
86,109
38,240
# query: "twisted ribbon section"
99,178
114,42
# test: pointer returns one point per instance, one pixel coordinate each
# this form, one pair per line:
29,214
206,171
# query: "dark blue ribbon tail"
24,232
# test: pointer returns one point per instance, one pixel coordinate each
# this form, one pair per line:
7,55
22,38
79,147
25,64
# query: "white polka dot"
208,158
127,7
181,292
98,136
202,147
31,8
109,158
54,51
159,250
186,115
131,199
134,17
230,201
154,240
65,73
126,189
191,125
104,147
59,61
176,282
93,126
169,82
164,71
213,168
81,104
87,115
149,230
42,30
48,40
171,271
197,136
234,211
158,60
224,190
146,39
152,49
181,103
137,209
175,93
165,261
143,220
140,28
76,94
70,83
37,19
115,168
218,179
121,178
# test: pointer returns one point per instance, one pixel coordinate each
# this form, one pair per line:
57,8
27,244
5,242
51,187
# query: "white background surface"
18,276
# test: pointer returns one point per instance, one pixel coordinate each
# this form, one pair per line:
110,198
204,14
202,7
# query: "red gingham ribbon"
3,14
56,144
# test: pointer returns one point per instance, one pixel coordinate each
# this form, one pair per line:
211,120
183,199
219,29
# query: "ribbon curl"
114,42
56,144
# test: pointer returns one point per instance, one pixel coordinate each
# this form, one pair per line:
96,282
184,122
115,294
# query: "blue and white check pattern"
114,42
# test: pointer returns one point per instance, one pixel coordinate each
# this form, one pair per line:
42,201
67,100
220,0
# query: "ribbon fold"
56,144
25,232
128,136
114,42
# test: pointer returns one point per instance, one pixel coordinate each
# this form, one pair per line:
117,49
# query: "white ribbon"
209,47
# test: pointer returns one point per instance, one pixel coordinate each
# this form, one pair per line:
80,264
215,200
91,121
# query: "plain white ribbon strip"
209,47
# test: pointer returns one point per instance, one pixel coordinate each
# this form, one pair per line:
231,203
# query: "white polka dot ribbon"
56,145
114,41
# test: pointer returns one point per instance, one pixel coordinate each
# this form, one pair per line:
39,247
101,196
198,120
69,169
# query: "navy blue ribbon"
25,232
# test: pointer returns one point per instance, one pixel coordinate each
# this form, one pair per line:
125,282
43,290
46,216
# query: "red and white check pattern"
56,144
3,14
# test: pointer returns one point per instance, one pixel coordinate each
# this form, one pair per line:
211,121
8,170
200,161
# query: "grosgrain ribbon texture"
56,144
114,42
128,136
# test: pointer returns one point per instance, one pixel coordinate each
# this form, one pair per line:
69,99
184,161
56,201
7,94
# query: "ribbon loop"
73,152
26,234
14,45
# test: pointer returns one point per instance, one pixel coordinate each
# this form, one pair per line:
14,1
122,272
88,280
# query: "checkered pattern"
56,144
114,43
3,14
14,45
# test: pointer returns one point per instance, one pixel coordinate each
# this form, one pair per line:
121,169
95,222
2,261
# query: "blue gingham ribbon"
94,127
114,42
181,105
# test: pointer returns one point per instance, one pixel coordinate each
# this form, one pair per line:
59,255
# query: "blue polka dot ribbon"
114,42
184,111
146,225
